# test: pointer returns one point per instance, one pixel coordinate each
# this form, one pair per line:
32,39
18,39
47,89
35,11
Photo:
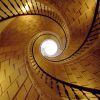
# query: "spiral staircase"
26,74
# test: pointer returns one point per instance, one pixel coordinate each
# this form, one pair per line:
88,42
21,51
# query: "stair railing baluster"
51,83
84,94
19,6
42,75
28,6
4,12
37,8
33,6
7,7
58,89
13,6
46,79
77,97
96,95
40,8
66,92
24,7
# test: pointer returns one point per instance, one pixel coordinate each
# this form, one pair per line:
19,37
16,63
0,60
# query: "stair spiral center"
49,48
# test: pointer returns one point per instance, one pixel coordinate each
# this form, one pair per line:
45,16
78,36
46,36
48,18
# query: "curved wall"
16,82
78,16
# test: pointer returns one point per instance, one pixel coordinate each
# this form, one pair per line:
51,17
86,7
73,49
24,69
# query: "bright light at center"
26,7
49,47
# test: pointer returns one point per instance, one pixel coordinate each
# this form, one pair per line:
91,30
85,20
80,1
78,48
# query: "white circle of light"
49,48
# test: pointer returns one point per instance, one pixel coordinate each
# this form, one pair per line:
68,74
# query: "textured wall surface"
78,15
82,71
16,82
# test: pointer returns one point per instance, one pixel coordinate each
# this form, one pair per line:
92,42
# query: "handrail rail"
66,83
37,10
86,39
31,58
90,31
59,21
81,88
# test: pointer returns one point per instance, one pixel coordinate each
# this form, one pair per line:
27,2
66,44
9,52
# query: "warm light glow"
49,48
26,7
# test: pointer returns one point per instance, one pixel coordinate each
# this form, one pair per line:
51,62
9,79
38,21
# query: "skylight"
49,48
